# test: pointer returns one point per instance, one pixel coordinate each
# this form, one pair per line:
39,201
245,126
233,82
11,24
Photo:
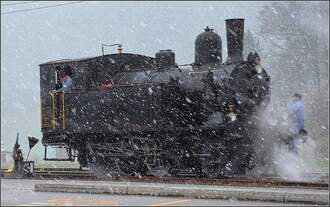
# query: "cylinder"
208,47
235,38
165,58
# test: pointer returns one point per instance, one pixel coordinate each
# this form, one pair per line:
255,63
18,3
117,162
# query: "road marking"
69,202
58,202
39,203
169,203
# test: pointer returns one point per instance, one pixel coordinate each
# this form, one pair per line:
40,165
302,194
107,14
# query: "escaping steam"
272,153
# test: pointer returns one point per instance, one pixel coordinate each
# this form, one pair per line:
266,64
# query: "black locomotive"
158,117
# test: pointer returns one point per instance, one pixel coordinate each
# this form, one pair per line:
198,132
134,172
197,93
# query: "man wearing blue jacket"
296,121
67,83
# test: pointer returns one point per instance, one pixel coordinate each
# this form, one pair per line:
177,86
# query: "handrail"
53,110
42,113
107,45
63,112
115,86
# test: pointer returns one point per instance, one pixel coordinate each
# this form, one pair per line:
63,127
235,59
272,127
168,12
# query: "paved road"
21,193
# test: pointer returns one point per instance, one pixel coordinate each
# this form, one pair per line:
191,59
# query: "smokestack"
235,34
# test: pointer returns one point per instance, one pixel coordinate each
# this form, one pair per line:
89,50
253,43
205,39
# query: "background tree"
296,38
251,43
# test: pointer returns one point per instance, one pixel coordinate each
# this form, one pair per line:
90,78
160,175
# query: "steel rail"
264,182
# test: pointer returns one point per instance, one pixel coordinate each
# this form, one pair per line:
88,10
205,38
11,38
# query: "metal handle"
106,45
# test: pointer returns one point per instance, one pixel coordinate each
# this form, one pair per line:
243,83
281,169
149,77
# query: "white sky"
78,30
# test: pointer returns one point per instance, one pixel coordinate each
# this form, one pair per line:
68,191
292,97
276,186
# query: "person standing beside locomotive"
67,82
296,122
18,159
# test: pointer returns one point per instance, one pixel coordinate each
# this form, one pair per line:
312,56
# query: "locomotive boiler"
157,117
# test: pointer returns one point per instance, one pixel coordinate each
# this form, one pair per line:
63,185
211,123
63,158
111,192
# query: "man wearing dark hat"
253,58
296,121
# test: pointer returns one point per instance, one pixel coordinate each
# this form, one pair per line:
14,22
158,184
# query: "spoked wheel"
98,169
209,168
101,166
235,169
164,166
211,172
127,166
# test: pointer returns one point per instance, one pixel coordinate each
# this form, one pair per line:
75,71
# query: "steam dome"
208,47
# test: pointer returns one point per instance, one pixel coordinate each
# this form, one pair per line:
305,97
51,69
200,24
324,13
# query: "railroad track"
267,181
55,174
58,169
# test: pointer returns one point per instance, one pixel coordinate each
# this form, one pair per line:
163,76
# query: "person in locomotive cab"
296,122
67,82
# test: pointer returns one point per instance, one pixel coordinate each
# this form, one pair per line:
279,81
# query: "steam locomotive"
157,117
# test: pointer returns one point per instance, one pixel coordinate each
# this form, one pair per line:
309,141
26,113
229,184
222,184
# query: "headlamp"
258,68
231,117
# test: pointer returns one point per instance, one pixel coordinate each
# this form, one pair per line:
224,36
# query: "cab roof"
89,58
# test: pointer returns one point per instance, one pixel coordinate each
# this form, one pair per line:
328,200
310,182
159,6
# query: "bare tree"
251,43
299,54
